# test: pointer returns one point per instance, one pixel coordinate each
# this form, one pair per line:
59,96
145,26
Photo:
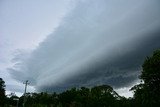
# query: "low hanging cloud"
98,42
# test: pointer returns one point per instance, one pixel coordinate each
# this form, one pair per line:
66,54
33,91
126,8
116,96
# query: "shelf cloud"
98,42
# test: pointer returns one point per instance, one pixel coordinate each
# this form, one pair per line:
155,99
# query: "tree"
68,97
151,76
148,93
12,100
104,96
151,72
2,92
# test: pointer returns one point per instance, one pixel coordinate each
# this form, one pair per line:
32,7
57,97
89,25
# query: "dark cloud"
99,42
123,69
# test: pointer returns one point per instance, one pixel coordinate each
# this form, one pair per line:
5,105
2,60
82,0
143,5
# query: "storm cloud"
98,42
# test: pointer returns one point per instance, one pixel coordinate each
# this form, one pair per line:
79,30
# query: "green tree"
83,97
104,96
151,72
148,93
151,77
12,101
68,97
2,92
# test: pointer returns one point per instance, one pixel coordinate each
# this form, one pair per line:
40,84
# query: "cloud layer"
98,42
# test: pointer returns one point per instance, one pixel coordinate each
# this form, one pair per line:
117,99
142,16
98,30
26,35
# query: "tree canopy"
2,92
148,93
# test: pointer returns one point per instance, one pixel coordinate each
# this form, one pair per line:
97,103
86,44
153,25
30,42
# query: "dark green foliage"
147,94
40,99
98,96
2,92
101,95
11,100
151,72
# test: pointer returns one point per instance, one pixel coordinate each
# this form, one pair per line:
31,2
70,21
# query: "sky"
60,44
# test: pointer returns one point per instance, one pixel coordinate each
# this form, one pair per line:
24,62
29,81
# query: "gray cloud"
99,42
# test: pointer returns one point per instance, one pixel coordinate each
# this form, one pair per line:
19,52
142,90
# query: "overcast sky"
59,44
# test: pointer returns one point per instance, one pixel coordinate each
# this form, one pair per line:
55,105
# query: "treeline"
99,96
146,94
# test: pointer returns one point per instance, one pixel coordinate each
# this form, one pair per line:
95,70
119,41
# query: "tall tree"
151,72
148,93
2,92
151,76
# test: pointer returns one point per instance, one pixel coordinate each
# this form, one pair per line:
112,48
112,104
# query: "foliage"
2,92
148,93
98,96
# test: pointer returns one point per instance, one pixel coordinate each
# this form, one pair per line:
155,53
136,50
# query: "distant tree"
148,93
98,96
83,97
2,92
67,97
104,96
12,100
